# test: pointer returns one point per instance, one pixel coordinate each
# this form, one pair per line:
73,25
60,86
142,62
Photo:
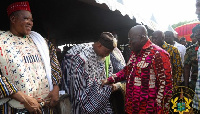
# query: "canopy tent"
77,21
113,5
186,30
151,23
171,29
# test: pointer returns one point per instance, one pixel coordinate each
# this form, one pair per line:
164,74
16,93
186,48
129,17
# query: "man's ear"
163,38
12,19
99,45
143,38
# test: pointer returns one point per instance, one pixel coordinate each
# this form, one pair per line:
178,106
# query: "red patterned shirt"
149,78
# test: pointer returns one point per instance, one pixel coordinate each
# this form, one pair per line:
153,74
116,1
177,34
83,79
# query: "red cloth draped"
185,30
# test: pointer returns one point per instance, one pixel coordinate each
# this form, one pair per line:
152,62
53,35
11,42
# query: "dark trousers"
117,102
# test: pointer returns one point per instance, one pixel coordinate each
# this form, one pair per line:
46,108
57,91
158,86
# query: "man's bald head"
169,37
158,38
138,30
137,37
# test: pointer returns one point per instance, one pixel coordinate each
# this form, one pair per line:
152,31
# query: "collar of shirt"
147,45
176,43
164,46
197,46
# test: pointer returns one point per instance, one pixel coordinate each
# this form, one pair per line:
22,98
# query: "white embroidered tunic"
21,64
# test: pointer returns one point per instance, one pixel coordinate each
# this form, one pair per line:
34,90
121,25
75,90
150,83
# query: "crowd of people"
94,74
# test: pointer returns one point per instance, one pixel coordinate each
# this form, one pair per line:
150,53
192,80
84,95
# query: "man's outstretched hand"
104,82
114,86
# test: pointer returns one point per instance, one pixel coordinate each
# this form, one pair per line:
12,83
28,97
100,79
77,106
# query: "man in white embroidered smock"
30,72
84,68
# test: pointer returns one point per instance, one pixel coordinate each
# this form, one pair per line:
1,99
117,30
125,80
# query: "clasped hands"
34,106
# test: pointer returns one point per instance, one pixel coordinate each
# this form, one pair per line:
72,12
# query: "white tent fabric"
114,5
171,29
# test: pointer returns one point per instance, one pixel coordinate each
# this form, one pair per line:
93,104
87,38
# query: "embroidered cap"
18,6
107,39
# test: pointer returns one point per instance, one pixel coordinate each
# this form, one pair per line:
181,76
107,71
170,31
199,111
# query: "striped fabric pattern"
6,88
117,60
55,65
83,72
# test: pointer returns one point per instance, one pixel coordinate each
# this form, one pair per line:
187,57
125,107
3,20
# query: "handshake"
115,86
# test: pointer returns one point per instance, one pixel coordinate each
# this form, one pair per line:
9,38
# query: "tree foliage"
182,23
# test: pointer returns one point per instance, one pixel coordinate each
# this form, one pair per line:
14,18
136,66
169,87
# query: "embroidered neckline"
25,36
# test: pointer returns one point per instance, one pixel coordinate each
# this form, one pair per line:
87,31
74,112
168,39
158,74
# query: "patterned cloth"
191,60
117,60
196,99
149,78
83,71
22,69
176,63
